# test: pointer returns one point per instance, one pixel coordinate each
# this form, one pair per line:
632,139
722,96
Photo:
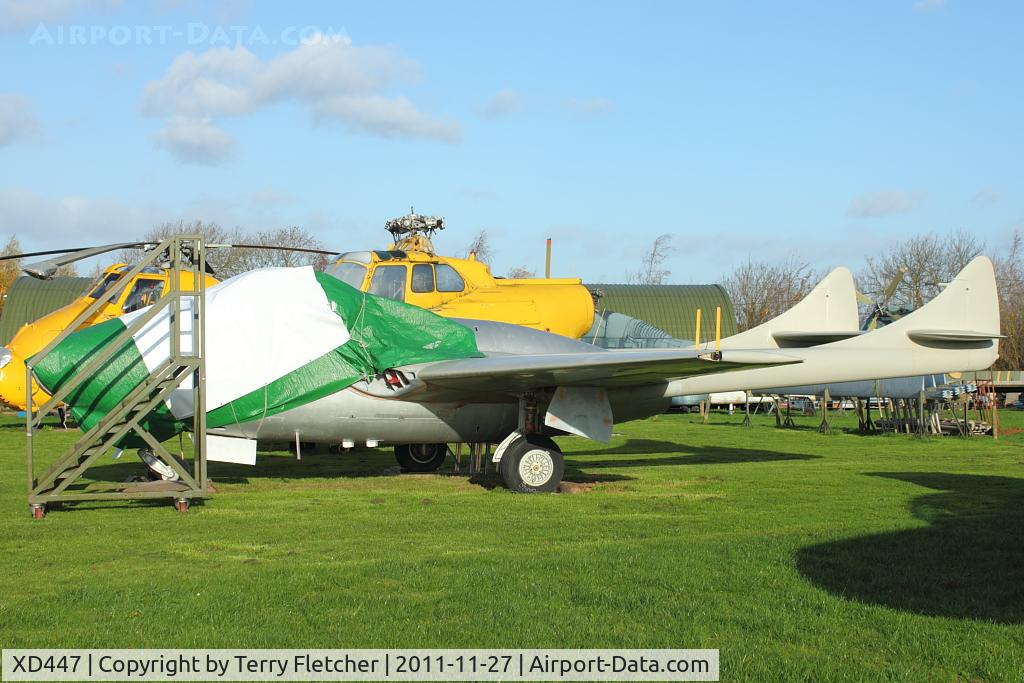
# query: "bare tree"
520,272
9,269
761,290
926,262
280,257
1009,267
651,271
480,247
229,262
223,261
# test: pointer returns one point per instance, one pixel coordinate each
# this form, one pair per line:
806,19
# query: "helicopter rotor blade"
41,253
272,246
863,298
891,289
44,270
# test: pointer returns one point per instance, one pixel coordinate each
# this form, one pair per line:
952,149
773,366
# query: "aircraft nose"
12,379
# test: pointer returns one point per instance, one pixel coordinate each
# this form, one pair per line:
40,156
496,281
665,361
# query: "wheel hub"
421,453
536,467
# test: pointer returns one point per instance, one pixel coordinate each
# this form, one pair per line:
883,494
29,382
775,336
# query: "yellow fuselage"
465,288
35,336
454,288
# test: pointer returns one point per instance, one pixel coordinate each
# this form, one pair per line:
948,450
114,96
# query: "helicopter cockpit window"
422,278
104,285
448,279
144,293
388,281
358,256
350,273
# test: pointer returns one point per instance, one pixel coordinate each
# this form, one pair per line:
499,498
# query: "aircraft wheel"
421,457
532,465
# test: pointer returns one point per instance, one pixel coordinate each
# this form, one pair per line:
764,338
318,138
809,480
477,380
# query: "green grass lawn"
801,556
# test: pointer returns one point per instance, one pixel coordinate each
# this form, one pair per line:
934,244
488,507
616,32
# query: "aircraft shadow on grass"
674,454
329,465
377,463
968,563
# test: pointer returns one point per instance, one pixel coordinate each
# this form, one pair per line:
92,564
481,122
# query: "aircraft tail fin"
827,314
964,315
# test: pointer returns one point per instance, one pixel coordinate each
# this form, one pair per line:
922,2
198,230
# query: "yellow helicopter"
148,286
411,271
145,288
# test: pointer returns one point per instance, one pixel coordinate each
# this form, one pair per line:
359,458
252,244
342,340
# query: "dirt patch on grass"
572,487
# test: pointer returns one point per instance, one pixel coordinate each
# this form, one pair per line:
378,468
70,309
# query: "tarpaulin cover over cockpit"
276,338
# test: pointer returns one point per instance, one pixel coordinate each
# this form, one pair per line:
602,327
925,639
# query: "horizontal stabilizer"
814,338
831,307
962,336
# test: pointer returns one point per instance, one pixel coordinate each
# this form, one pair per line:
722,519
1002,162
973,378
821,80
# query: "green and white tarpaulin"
276,338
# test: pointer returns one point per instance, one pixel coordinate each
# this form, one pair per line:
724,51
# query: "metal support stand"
920,415
788,422
967,414
825,427
458,457
746,404
63,480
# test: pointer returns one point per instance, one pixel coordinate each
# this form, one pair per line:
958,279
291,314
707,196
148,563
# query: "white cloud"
19,14
336,81
195,141
46,222
386,117
214,83
503,103
76,221
885,203
17,118
987,195
589,107
929,5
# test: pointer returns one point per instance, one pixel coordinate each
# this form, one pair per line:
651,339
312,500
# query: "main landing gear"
527,463
421,457
532,464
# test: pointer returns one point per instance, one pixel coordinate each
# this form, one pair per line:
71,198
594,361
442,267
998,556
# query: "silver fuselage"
370,410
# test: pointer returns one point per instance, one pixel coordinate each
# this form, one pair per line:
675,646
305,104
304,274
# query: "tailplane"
827,314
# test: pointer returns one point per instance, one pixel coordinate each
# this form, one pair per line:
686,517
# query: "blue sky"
753,129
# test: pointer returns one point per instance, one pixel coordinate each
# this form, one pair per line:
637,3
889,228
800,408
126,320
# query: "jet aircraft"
293,354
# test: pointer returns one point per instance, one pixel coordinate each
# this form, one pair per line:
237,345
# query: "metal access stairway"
62,482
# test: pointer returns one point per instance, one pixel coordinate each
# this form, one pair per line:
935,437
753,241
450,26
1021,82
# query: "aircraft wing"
616,368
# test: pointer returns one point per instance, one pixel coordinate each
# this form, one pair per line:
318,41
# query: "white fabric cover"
260,326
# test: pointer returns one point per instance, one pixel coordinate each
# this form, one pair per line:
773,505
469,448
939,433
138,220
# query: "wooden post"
718,328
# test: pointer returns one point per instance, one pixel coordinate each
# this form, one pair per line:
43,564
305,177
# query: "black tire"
532,465
545,441
421,457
